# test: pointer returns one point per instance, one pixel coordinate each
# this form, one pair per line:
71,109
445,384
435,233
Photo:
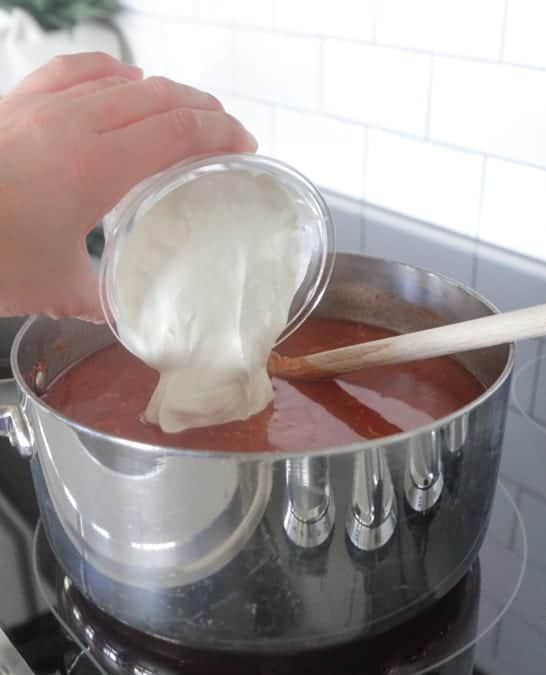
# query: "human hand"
75,136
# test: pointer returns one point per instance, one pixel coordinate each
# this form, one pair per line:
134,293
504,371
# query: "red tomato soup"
109,390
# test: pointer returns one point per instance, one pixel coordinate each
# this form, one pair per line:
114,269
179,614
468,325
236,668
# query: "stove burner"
420,643
442,636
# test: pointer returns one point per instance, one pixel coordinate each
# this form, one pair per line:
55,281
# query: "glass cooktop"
492,623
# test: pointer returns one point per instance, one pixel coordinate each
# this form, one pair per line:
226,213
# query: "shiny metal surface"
13,424
424,479
310,511
455,434
371,519
193,546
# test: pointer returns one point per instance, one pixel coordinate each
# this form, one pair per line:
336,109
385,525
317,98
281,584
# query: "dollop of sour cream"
205,282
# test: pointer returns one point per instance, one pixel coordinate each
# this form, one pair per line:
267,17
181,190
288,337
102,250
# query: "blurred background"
435,109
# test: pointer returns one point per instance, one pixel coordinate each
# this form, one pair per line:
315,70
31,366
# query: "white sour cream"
205,282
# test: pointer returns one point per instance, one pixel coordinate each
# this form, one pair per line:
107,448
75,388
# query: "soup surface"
109,391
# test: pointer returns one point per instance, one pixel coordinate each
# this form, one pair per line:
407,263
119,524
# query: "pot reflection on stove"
455,435
435,640
309,513
424,477
371,519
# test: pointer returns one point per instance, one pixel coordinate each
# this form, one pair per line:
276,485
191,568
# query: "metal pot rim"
274,455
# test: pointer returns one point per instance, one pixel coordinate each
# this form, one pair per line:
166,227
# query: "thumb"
84,301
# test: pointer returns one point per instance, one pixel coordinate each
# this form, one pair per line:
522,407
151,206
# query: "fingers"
69,70
112,108
155,143
91,87
80,297
62,287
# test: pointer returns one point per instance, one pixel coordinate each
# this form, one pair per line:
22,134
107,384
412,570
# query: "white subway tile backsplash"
524,38
435,184
192,60
217,11
331,153
376,85
463,27
257,118
144,36
253,12
500,110
278,68
514,208
170,8
240,12
181,50
348,18
308,80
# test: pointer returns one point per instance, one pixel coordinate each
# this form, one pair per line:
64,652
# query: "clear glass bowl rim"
121,215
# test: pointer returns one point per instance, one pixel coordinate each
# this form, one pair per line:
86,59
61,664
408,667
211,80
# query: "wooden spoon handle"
451,339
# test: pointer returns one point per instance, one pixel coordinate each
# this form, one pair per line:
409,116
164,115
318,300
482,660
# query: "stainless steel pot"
264,551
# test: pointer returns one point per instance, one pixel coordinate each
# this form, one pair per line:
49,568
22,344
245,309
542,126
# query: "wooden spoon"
488,331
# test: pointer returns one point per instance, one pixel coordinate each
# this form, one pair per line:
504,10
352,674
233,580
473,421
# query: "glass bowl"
316,226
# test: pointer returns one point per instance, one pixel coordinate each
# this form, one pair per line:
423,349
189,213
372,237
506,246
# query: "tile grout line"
375,14
396,132
476,257
429,99
274,126
481,196
494,61
475,263
274,108
234,61
320,102
362,219
534,395
274,13
503,31
514,529
526,490
365,162
496,640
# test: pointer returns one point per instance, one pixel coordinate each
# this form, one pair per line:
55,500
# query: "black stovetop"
516,643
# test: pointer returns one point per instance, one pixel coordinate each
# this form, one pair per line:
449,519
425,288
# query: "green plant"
53,14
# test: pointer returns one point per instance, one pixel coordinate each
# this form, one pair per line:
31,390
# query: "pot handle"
13,424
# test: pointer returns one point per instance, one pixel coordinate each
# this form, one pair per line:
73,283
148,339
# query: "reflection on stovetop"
430,638
517,644
421,642
440,641
437,642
